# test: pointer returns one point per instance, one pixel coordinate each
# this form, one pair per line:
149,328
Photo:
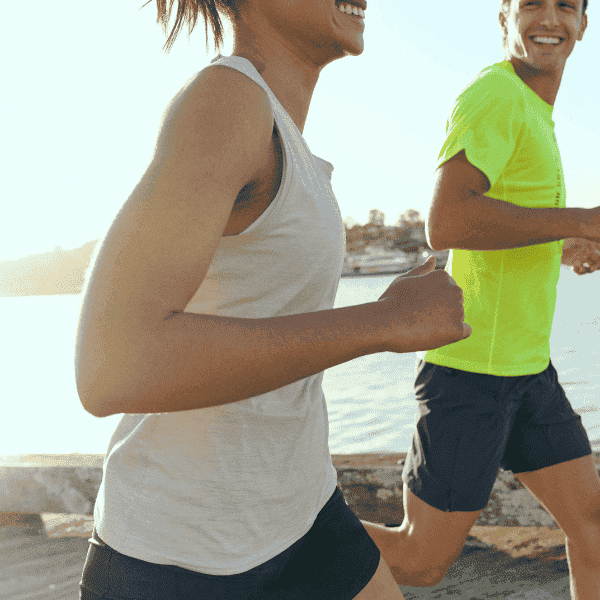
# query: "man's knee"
425,578
432,577
420,568
428,541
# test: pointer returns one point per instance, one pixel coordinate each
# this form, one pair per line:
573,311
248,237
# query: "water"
370,399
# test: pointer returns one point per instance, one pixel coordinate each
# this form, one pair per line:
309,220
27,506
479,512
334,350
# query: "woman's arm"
138,352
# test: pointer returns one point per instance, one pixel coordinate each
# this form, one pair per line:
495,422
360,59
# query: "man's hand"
582,255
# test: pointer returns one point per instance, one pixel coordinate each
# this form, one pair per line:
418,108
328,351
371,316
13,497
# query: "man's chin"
548,66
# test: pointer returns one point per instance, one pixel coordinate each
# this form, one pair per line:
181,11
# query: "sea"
370,400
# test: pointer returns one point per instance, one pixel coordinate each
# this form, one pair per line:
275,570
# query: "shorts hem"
448,505
552,463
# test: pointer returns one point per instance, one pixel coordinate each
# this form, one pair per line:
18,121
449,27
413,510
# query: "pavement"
505,562
43,561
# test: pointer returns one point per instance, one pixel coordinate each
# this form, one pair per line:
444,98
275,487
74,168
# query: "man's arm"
461,216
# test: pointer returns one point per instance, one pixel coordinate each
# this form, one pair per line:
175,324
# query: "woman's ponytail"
187,12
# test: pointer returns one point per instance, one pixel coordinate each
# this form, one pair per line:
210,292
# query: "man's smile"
546,40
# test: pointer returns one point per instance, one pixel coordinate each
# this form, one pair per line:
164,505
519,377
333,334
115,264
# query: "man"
493,399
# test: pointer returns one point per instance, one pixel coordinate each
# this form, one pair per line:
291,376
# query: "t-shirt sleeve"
486,122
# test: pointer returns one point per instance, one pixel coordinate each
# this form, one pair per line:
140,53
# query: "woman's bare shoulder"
219,95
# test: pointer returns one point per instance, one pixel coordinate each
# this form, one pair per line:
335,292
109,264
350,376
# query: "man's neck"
545,83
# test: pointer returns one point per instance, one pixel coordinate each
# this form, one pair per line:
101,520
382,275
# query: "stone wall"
372,486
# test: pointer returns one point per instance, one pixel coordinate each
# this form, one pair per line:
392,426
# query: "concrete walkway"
482,573
497,562
505,562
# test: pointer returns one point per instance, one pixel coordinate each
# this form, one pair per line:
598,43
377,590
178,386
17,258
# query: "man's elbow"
437,246
434,239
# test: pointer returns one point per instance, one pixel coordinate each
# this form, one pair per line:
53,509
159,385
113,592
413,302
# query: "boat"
384,263
389,263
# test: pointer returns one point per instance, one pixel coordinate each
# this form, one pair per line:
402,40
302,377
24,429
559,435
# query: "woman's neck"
290,75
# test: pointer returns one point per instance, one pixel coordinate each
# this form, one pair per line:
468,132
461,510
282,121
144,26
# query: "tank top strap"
247,68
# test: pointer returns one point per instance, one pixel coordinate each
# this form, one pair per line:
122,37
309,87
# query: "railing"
372,486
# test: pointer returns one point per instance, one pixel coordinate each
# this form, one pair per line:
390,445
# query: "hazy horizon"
89,86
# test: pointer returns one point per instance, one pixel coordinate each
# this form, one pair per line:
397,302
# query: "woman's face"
324,29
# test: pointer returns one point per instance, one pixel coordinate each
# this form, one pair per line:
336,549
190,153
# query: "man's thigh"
460,438
546,431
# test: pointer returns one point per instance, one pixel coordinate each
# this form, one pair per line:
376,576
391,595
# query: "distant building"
409,237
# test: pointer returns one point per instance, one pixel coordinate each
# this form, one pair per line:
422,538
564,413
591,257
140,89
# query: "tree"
376,217
409,217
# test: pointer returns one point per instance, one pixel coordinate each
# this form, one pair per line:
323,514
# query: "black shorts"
335,560
471,425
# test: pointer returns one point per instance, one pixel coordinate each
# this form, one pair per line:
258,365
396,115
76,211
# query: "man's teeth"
351,10
546,40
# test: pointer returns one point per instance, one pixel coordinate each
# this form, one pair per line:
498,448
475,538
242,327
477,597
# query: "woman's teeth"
351,10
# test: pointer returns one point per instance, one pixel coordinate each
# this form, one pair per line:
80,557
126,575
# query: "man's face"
543,33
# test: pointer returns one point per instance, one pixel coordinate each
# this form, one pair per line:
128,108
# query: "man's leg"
550,453
570,492
422,549
451,467
382,586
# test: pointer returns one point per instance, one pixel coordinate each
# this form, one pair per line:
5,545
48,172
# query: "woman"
208,321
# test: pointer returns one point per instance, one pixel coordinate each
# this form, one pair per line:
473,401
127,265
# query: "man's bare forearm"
171,371
482,223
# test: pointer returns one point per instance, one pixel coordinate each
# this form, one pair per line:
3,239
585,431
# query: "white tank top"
222,490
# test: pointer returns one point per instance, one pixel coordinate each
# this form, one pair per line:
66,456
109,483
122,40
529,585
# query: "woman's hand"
424,310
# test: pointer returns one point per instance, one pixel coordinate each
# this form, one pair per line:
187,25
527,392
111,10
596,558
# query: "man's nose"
550,16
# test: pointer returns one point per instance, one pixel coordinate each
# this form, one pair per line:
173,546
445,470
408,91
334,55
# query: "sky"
85,85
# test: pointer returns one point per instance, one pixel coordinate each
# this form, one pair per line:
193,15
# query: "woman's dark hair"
187,11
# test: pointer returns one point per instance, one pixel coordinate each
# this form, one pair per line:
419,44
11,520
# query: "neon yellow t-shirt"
507,132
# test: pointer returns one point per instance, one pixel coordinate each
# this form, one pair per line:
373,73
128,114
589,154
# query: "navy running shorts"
470,425
335,560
